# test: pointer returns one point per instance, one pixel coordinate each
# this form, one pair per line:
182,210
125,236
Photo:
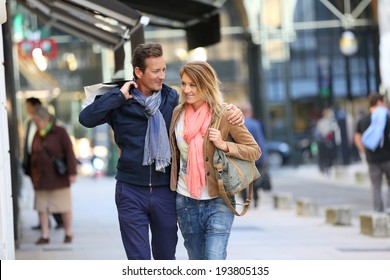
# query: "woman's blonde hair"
206,80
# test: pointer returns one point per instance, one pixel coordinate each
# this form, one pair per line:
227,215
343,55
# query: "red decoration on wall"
48,46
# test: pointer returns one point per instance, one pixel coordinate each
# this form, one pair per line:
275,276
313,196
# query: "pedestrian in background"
32,104
327,135
347,131
52,190
204,219
139,112
255,127
372,140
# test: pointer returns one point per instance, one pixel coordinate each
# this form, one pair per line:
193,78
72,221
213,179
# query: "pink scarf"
196,124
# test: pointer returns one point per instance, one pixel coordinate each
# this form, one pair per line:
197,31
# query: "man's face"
30,108
152,79
381,103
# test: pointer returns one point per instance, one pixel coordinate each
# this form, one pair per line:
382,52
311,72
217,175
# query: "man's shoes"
68,239
42,241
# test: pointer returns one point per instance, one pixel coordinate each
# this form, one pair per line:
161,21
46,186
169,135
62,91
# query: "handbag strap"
219,117
246,204
221,188
47,150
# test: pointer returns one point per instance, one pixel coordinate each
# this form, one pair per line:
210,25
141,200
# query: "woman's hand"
125,89
72,179
237,118
215,137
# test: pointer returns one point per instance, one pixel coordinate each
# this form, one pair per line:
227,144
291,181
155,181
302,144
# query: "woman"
327,133
52,191
204,218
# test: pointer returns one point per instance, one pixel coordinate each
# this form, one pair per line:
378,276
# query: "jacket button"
208,173
207,159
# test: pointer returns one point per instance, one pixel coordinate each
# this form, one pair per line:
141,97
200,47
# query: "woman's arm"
243,146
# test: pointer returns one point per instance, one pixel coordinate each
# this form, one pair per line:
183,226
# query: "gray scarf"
156,147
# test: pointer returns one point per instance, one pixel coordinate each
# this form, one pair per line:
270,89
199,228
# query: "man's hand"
237,118
359,145
125,89
362,156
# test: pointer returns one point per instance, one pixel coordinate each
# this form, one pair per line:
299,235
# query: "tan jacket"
244,147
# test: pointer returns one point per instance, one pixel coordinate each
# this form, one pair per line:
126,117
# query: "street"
264,233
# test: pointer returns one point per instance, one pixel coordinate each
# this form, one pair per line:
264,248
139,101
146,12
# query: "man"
32,104
140,114
371,129
255,127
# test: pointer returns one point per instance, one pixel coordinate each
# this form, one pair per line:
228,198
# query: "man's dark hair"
144,51
33,101
374,98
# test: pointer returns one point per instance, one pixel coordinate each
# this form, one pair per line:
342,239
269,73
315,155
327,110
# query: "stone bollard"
361,177
306,207
340,172
282,200
375,224
338,215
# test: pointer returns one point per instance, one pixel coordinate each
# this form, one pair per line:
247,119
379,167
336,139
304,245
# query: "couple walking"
164,174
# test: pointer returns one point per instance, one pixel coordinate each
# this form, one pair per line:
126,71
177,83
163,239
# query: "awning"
112,22
108,23
199,18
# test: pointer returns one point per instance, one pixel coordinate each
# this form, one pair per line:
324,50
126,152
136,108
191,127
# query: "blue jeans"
140,207
205,226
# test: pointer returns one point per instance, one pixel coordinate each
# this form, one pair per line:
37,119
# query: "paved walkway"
264,233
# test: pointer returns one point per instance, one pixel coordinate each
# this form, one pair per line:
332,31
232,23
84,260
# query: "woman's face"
41,124
191,92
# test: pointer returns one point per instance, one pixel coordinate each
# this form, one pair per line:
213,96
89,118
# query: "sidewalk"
353,175
262,234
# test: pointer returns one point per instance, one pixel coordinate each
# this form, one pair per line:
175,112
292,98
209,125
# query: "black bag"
60,166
